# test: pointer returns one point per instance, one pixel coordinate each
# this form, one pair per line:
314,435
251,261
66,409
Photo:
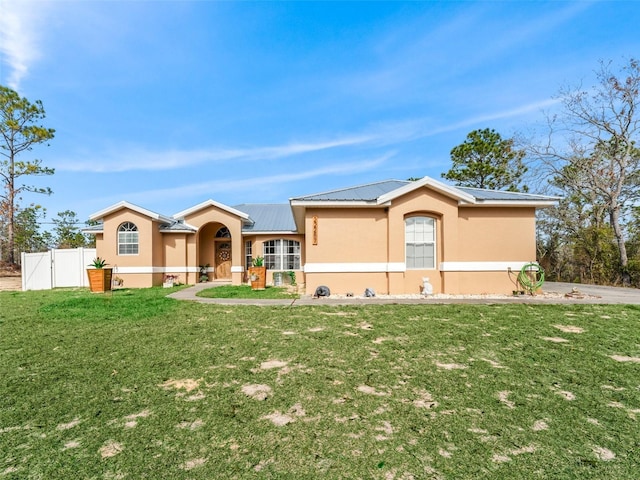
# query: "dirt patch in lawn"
569,328
622,358
280,419
256,391
110,449
187,384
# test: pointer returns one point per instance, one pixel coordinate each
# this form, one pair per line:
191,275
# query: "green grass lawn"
134,385
245,291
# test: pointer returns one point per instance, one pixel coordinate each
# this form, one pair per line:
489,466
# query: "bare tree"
591,147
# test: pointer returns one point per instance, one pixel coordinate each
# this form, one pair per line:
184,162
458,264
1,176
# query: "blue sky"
169,103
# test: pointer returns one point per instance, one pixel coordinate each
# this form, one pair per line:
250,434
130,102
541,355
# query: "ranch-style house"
388,236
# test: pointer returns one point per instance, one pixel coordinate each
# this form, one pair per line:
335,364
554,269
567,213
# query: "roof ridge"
350,188
504,191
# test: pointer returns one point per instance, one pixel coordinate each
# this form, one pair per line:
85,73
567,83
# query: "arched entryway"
223,253
215,250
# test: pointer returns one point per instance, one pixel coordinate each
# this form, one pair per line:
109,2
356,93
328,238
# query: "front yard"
135,385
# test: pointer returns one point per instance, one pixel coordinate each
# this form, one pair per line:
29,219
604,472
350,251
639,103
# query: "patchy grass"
245,291
135,385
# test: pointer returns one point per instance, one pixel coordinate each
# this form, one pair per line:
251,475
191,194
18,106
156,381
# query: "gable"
129,206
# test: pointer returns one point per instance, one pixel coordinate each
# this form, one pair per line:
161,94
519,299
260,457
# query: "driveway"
596,293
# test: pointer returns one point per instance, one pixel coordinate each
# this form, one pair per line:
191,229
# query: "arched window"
127,239
281,254
420,242
223,232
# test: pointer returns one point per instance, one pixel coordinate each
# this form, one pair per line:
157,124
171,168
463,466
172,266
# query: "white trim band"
481,266
147,270
354,267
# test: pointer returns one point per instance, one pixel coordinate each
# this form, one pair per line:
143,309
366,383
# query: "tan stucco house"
387,236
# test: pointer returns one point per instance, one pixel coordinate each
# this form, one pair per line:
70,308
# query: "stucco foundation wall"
343,283
412,282
485,282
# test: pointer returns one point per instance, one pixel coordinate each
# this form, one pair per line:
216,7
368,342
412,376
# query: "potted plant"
204,273
99,275
258,274
169,280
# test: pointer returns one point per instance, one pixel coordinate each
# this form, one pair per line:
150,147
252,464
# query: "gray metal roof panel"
268,217
178,226
367,192
502,195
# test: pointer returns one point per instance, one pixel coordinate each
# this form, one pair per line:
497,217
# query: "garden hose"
531,277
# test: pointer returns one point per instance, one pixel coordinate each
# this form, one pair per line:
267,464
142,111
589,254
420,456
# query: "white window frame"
414,237
248,255
126,231
281,256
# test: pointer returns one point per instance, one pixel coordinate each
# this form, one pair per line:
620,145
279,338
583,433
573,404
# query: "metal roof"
378,191
178,226
502,195
268,217
368,192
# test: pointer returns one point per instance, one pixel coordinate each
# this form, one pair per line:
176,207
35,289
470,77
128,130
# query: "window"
420,242
127,239
223,232
281,254
248,256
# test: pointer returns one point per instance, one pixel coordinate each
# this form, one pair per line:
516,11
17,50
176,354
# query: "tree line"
586,155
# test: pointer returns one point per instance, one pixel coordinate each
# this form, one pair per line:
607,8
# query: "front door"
223,260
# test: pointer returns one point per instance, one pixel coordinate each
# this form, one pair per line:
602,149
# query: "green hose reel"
531,277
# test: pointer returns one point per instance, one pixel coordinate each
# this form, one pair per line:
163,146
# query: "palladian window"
127,239
420,242
281,254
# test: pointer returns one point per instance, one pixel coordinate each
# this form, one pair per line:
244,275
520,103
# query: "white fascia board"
514,203
428,182
211,203
124,204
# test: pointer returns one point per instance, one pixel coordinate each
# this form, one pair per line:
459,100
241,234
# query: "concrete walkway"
553,293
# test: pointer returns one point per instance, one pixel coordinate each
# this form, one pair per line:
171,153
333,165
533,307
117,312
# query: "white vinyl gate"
56,268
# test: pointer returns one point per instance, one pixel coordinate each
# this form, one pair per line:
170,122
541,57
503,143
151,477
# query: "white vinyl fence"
56,268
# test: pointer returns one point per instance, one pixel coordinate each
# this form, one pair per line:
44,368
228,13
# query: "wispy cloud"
514,112
18,39
271,182
375,136
139,159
